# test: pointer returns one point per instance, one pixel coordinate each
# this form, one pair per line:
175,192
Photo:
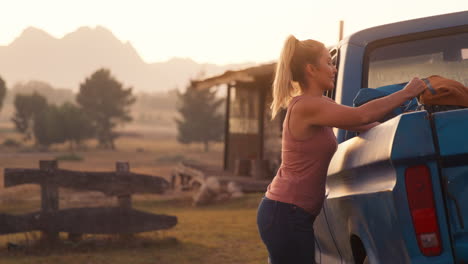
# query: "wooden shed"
252,139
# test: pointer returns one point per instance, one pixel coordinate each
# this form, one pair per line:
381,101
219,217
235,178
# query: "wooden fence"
51,220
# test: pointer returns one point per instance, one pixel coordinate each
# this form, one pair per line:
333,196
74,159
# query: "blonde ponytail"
283,89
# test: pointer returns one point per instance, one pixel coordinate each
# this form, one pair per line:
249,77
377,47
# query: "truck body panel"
451,128
367,212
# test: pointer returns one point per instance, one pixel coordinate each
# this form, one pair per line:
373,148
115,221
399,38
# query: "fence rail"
51,220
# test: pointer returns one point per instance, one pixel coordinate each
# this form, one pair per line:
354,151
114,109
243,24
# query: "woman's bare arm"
362,128
322,112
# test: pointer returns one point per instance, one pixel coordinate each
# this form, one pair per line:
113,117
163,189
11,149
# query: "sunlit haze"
214,31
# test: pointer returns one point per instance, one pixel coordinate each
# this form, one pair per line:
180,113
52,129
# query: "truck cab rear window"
446,56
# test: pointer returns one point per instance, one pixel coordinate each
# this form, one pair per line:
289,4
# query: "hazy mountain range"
66,62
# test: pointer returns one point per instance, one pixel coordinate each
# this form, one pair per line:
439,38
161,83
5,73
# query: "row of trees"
101,104
48,123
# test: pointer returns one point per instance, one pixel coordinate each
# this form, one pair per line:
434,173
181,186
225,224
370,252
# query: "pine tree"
200,120
107,103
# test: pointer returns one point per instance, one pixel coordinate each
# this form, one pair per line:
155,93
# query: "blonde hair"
290,70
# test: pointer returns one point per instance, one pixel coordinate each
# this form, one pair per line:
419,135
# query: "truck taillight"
421,203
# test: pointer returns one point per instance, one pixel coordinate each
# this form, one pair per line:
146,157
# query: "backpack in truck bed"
443,94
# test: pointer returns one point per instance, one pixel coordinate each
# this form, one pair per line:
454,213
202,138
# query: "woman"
295,196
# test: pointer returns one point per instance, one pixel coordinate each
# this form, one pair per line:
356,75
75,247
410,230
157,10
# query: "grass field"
220,233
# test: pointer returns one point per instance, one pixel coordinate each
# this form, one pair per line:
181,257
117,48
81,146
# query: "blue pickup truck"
398,193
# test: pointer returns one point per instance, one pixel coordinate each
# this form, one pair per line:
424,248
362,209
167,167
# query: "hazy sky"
215,31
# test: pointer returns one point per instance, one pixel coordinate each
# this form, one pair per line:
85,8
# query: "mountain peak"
34,31
88,33
33,35
64,62
92,30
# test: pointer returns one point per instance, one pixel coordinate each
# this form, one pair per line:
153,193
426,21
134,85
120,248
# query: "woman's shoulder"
308,100
328,99
307,104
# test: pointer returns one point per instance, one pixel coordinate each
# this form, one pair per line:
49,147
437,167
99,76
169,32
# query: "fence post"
49,195
125,201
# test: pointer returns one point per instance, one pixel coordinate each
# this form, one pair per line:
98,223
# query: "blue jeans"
287,231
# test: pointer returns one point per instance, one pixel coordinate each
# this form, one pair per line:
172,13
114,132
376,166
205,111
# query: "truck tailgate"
451,129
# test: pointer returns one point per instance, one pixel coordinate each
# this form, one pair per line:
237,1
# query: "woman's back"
300,180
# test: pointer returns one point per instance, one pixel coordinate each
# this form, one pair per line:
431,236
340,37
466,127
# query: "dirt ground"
148,149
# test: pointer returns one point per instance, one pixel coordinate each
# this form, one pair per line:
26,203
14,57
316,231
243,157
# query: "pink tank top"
301,178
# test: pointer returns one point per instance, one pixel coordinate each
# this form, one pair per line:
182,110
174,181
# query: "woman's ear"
310,69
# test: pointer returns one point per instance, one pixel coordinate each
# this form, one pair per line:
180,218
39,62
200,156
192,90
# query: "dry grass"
221,233
149,150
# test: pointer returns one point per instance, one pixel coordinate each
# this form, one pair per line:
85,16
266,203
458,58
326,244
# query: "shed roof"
244,75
